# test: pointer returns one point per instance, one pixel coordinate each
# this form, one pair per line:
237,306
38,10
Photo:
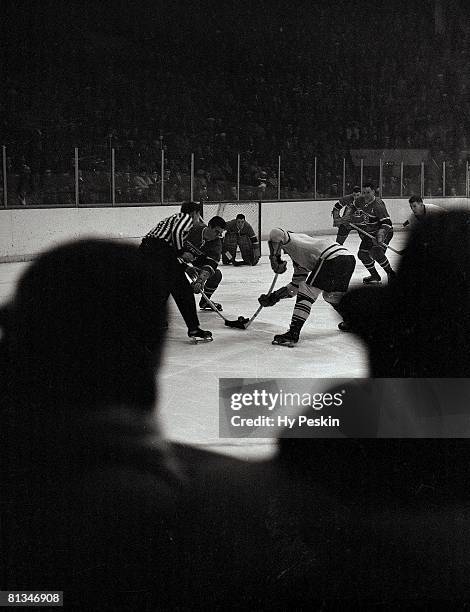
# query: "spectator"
94,501
400,499
87,506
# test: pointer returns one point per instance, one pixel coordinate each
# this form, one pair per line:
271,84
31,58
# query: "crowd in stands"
300,87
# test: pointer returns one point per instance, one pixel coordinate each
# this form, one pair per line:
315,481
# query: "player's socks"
385,264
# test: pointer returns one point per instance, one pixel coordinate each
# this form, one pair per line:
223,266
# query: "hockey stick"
386,246
238,324
260,307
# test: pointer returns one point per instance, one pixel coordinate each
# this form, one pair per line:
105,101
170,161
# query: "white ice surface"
188,379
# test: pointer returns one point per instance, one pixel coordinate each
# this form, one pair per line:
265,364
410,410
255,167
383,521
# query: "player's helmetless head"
417,205
86,326
368,191
215,228
240,220
356,192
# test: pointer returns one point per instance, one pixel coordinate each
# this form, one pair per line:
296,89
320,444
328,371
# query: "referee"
163,244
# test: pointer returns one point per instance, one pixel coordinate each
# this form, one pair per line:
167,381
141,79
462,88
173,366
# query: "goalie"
320,266
240,234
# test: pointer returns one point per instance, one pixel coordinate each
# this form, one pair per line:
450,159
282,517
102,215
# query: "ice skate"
289,339
373,279
199,335
391,276
204,305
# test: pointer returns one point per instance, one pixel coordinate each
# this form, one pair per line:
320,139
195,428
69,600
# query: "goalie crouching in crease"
320,266
240,234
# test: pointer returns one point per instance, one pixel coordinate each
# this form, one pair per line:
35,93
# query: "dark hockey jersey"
246,230
206,253
369,216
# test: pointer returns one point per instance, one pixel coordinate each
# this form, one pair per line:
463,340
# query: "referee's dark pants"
173,278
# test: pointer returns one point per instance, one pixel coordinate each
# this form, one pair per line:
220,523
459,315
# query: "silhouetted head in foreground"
84,328
419,326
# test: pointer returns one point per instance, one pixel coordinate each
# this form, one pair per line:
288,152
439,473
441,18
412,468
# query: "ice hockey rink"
188,380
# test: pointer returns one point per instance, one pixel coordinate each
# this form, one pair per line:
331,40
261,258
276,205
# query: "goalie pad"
229,249
246,249
273,298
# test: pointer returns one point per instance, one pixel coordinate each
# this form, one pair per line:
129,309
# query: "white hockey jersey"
429,209
306,251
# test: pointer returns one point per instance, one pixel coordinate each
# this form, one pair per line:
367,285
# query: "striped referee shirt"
173,230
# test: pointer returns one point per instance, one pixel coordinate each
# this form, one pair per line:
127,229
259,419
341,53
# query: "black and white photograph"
235,305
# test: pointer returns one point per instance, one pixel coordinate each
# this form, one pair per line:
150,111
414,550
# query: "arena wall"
26,232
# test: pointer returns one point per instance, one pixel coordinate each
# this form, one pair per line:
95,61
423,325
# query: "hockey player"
421,211
320,266
346,202
203,248
240,233
370,214
164,243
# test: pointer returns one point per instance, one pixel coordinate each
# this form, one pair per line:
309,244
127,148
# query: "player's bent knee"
332,297
216,277
378,253
292,289
308,290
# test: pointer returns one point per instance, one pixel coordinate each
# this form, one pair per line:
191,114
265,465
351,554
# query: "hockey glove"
186,256
278,265
273,298
382,234
198,284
